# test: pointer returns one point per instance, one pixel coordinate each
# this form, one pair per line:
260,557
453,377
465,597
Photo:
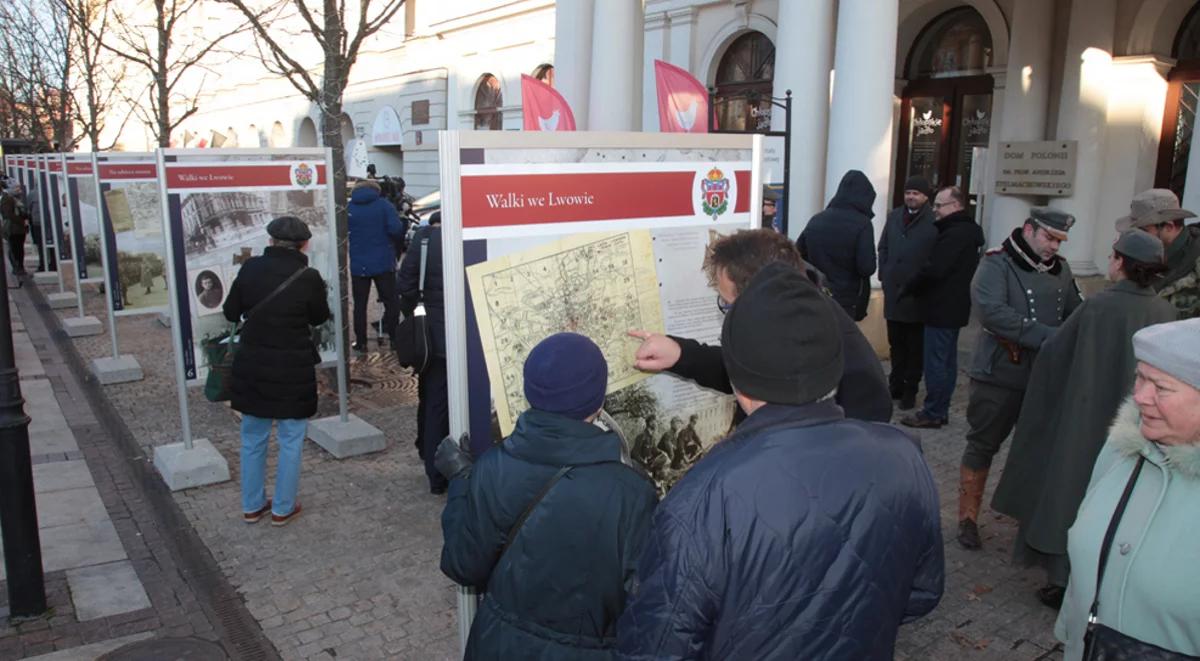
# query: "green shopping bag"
219,352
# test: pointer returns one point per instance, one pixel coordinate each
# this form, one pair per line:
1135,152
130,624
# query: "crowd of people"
813,529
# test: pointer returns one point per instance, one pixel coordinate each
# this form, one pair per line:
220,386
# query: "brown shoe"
277,520
921,422
253,517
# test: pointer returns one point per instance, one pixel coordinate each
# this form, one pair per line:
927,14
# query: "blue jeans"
255,432
941,371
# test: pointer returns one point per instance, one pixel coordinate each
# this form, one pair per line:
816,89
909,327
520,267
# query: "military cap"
1141,247
1173,347
289,228
1152,207
1056,223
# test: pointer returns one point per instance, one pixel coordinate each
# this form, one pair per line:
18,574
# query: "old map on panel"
600,286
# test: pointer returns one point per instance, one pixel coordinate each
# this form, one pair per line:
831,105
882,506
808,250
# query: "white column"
682,26
1083,116
1025,105
656,45
615,94
573,54
860,120
803,59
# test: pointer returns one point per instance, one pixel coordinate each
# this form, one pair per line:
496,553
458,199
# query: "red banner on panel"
79,168
56,165
118,171
298,175
533,199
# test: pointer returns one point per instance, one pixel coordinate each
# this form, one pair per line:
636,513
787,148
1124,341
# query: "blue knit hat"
566,374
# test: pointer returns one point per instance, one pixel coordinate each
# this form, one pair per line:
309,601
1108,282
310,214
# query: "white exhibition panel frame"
231,195
508,192
122,171
84,219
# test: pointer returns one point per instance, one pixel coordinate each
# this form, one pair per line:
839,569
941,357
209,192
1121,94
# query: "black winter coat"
557,592
863,391
904,247
802,536
408,281
840,242
943,287
274,373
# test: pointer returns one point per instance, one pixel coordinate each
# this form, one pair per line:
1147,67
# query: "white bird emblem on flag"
687,118
549,123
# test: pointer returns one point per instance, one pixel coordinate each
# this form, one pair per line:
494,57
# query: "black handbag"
412,340
1102,643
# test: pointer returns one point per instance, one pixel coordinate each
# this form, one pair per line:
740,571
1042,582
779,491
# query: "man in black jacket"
840,242
274,370
433,399
907,238
731,263
943,293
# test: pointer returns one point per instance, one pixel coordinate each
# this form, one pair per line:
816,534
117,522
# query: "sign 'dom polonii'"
1037,168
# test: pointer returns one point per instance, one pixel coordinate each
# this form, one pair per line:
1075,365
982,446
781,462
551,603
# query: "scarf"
1020,252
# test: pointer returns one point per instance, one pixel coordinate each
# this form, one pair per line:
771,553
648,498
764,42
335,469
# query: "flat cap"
1056,222
1172,347
289,228
1152,207
1141,247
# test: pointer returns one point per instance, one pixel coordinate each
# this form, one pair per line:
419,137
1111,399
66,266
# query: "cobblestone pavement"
356,575
182,604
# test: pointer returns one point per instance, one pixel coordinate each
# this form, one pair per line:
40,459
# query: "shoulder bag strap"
1112,532
421,280
512,533
282,286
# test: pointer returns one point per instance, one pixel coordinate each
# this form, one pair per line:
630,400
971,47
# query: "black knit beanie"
781,343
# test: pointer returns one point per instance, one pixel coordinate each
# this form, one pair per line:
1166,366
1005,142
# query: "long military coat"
1019,304
1079,379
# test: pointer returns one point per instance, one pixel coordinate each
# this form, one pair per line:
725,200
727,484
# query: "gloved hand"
453,457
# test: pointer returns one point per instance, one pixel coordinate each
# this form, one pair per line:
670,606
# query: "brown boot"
970,496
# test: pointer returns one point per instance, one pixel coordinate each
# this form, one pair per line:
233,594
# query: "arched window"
744,79
957,43
545,73
277,136
347,127
488,100
1183,100
307,135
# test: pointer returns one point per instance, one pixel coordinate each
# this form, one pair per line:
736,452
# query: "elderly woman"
1149,589
1079,379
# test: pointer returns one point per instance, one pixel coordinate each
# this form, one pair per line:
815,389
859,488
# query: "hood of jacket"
1125,435
855,192
547,438
365,195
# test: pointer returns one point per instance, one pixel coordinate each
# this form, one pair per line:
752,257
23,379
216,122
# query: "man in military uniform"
1157,212
1021,293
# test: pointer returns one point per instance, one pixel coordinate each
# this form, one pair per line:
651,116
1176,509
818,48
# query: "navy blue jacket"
557,592
802,536
373,224
840,242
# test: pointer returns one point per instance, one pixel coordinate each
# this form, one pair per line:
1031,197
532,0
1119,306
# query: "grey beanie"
1140,247
1172,347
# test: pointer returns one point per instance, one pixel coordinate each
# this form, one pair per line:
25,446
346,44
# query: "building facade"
889,87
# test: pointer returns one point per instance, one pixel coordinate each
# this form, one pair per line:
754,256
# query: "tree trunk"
331,130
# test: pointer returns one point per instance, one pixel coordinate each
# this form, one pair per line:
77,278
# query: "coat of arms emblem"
303,175
714,193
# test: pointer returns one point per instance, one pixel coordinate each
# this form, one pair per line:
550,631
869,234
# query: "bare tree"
149,34
37,74
101,75
339,34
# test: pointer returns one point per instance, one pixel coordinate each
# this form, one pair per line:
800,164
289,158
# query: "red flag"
544,108
682,100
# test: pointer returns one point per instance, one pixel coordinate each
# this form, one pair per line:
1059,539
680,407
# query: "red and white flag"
682,100
544,108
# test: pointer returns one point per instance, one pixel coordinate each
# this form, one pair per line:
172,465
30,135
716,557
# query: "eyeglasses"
722,305
939,205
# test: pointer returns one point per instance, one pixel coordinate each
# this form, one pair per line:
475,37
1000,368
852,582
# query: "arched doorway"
1179,114
307,135
946,109
488,99
744,78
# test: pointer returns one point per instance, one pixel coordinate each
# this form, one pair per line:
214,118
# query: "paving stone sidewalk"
356,576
